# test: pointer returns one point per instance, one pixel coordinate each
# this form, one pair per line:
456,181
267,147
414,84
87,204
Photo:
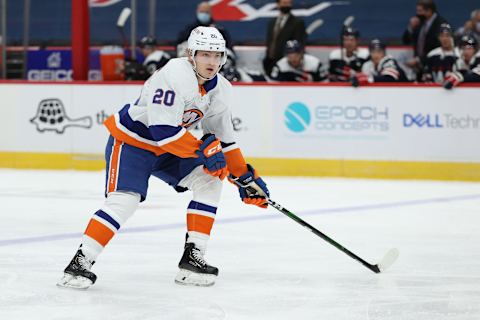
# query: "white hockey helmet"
206,39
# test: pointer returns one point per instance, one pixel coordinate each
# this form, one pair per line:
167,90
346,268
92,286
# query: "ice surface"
270,267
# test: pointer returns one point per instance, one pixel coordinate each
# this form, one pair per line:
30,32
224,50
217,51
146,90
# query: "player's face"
208,63
295,59
350,43
377,55
468,52
446,41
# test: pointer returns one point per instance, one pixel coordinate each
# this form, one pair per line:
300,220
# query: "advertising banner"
56,65
294,122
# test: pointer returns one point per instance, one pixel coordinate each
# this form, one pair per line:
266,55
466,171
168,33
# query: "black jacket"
293,29
431,39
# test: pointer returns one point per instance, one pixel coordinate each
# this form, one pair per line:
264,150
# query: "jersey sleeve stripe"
235,162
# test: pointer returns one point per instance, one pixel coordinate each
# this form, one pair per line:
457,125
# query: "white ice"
270,267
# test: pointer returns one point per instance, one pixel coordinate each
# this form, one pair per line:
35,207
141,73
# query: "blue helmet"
293,46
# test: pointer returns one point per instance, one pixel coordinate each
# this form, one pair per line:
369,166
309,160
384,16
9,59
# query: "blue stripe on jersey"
154,133
107,217
160,132
210,84
134,126
200,206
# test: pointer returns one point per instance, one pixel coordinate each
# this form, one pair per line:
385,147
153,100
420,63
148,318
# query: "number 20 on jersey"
164,97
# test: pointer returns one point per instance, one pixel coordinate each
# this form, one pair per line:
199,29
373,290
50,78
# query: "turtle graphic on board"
51,116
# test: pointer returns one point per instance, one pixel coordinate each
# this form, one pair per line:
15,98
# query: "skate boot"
194,270
77,274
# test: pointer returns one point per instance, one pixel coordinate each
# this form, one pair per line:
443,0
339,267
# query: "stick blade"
388,259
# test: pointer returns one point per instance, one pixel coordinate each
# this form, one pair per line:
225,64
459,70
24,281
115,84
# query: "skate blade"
74,282
189,278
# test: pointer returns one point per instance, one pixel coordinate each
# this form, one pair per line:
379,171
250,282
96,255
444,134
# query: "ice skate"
77,274
194,270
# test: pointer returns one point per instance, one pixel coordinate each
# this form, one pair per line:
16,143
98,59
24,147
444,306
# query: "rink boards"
423,132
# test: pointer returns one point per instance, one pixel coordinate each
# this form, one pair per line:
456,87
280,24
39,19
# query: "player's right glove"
452,80
253,190
214,162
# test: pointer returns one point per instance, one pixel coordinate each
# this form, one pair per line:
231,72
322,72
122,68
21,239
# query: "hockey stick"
122,19
386,262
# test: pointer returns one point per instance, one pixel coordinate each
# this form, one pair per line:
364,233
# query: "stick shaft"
300,221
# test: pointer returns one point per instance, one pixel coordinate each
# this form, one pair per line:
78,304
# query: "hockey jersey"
309,70
470,71
438,63
340,64
171,103
387,70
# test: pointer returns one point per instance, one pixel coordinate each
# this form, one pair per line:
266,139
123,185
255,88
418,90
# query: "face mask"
285,10
422,18
203,17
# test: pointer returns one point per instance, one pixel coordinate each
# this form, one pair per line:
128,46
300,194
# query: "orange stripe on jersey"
122,136
236,162
199,223
202,90
99,232
114,166
183,147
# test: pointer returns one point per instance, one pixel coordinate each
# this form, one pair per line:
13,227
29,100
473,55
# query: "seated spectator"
441,60
203,18
380,68
471,27
467,67
154,59
297,65
348,59
422,33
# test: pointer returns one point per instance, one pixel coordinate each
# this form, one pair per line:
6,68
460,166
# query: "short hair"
427,5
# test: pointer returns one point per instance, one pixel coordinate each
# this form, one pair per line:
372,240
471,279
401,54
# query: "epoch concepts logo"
297,117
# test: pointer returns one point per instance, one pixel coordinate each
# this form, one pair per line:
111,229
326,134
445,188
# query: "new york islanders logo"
238,10
191,117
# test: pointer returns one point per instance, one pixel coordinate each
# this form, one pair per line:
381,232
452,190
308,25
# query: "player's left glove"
452,80
253,190
210,151
359,79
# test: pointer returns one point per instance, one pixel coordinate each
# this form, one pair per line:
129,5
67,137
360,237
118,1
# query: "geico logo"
420,120
215,149
52,75
351,113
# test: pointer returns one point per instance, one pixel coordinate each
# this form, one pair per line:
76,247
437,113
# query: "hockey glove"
252,188
213,159
452,80
359,79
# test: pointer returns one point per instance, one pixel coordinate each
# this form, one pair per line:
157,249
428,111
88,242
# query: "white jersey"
172,102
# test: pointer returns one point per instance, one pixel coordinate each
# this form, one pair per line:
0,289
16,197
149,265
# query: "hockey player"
441,60
343,62
380,68
467,68
151,137
297,65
